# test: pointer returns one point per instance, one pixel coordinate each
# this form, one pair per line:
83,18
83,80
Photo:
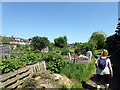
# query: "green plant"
10,65
61,42
27,58
31,58
64,51
54,61
74,71
99,38
77,85
12,56
63,87
80,72
29,82
38,43
91,45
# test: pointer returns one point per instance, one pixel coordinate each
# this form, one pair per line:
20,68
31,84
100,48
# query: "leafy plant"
38,43
64,51
12,56
10,65
25,59
54,61
99,38
61,42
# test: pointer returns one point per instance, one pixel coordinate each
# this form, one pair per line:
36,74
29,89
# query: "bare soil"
47,79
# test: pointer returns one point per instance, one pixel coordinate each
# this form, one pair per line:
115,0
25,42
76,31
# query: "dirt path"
114,81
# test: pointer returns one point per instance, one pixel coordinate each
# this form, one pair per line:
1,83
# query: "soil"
47,79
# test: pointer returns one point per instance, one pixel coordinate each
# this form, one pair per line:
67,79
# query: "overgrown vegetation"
10,65
38,43
99,38
29,83
61,42
55,61
80,72
24,59
113,44
31,54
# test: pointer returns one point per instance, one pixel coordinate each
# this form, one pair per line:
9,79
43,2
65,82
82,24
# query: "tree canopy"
61,42
38,43
113,44
99,38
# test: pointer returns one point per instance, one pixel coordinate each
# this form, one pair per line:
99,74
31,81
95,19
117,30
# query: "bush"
91,45
30,58
65,51
38,43
54,61
61,42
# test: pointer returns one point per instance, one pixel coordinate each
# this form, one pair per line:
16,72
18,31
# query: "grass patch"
80,72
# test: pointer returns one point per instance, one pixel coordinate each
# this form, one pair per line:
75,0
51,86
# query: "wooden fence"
14,79
77,59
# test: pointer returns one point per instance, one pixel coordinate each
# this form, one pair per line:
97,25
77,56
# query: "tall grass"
80,72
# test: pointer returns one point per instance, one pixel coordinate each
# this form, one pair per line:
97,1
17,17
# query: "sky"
76,20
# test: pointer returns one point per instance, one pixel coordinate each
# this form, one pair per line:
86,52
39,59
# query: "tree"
99,38
51,46
38,43
91,45
61,42
113,44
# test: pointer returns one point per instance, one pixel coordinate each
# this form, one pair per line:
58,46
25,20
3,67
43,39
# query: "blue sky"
76,20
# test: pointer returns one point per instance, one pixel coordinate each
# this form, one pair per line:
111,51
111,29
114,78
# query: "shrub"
54,61
30,58
61,42
64,51
38,43
91,45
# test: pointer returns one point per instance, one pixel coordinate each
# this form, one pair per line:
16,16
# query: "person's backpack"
102,63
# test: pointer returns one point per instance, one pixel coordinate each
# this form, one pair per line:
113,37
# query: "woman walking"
103,69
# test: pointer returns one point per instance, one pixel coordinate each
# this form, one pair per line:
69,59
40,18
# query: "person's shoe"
98,87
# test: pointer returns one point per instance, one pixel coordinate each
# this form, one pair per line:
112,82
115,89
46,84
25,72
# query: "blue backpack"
102,63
